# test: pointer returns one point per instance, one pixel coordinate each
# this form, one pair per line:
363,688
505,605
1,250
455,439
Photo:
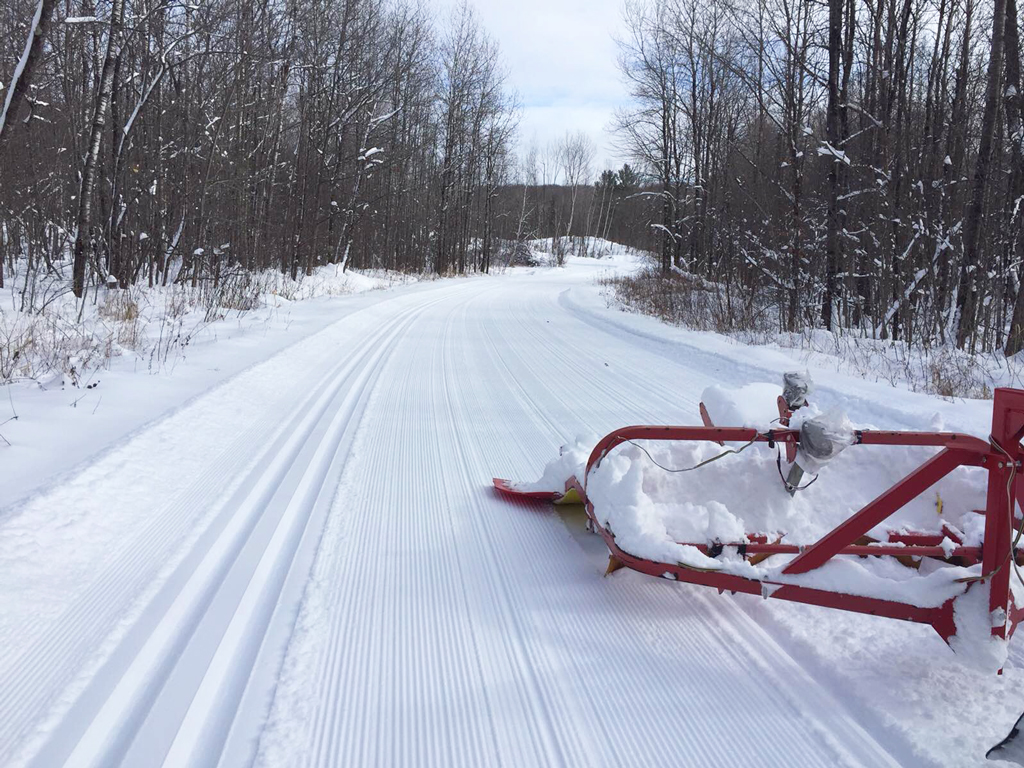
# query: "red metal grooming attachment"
1002,458
785,414
706,418
505,487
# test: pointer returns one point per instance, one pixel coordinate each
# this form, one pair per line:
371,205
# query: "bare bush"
686,300
36,346
691,302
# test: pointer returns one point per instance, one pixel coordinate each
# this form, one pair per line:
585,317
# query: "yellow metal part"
570,497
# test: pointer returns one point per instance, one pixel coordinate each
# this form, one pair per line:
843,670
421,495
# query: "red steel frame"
1002,457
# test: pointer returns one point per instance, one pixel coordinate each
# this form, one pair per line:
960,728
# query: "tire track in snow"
870,755
234,528
467,631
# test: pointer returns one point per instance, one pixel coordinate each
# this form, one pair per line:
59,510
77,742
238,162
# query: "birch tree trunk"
85,235
26,67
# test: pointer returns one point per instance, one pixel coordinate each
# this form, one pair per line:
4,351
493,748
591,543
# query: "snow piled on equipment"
973,642
649,509
658,504
571,461
751,406
743,493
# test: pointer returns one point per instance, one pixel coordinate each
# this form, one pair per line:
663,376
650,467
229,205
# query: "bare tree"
576,158
880,235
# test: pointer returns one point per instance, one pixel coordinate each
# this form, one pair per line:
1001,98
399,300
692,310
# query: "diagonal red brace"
878,510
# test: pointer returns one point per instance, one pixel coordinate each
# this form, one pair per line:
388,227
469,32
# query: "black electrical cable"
785,482
695,466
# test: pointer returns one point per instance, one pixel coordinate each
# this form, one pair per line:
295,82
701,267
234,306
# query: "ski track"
337,584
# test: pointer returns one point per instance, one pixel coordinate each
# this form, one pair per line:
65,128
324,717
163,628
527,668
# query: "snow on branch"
838,154
19,70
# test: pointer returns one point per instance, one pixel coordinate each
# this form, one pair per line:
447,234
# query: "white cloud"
547,123
562,61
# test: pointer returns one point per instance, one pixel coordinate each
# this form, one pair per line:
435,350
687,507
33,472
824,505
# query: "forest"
851,165
854,164
156,141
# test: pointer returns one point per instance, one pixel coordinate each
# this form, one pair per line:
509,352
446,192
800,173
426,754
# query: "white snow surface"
285,551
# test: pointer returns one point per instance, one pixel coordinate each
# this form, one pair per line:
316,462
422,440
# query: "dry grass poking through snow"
686,300
46,334
751,318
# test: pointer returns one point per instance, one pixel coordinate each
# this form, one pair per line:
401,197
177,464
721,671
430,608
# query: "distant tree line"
147,141
854,164
562,200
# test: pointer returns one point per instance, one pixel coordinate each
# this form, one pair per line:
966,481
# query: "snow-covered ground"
80,386
286,551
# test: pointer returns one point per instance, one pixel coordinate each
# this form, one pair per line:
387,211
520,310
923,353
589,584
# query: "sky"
562,62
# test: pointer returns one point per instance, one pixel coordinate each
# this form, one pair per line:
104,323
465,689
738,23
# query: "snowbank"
587,248
47,333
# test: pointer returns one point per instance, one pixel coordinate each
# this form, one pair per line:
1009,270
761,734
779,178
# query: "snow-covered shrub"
240,291
938,369
46,334
520,254
119,310
34,346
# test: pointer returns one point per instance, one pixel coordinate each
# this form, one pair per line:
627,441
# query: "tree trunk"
835,42
1011,105
99,122
967,297
22,77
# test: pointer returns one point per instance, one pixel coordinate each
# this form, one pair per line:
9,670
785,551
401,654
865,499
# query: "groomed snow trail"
307,566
